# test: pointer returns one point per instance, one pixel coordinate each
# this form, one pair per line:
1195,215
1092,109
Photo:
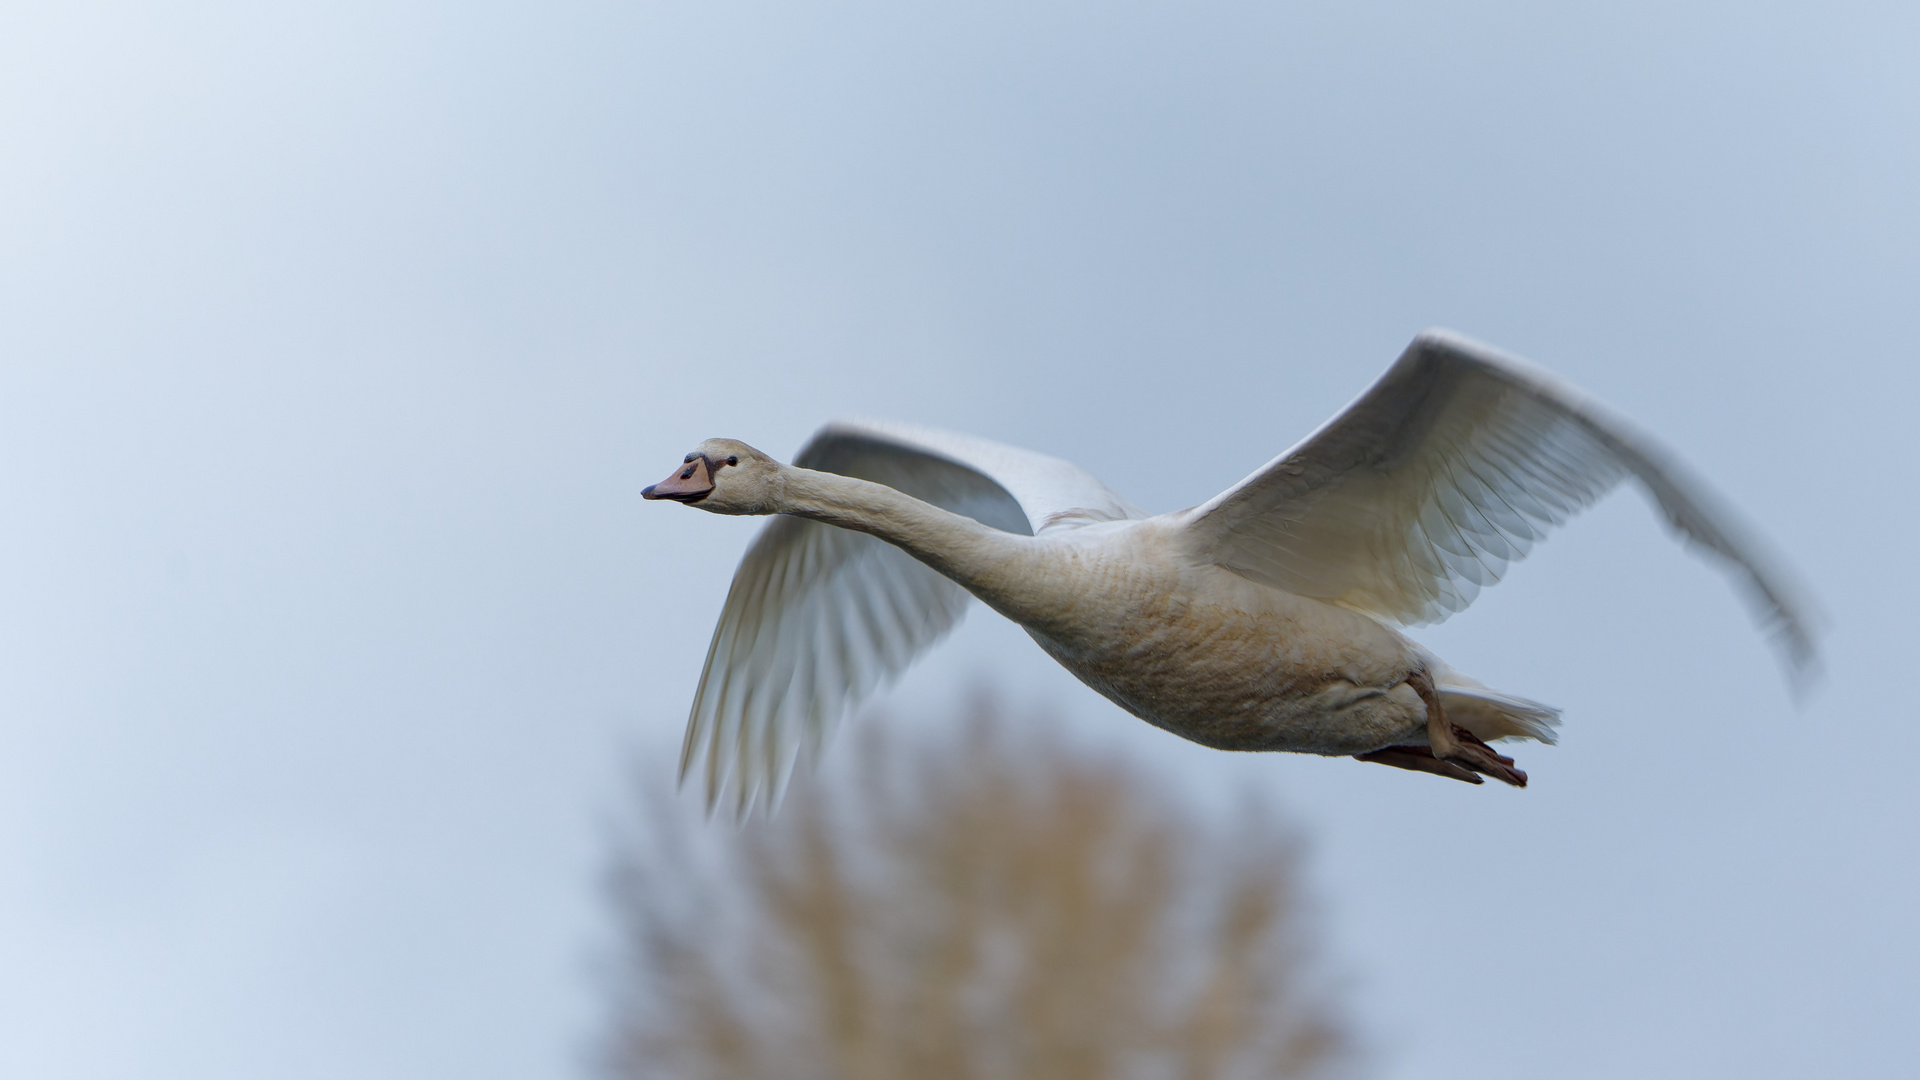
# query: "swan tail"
1492,715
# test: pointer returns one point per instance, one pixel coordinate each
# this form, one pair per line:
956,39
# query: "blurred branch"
984,906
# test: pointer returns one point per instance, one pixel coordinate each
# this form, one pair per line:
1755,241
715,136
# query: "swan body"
1267,618
1206,654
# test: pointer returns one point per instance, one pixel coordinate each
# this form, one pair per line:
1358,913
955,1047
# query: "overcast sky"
338,339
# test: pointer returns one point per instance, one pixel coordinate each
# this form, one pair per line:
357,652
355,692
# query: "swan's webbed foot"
1480,757
1419,759
1471,756
1453,744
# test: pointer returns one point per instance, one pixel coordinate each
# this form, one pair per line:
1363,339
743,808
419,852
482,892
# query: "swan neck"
956,545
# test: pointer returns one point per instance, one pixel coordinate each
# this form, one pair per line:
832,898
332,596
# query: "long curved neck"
958,546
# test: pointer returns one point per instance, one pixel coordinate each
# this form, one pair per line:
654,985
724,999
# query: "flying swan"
1263,619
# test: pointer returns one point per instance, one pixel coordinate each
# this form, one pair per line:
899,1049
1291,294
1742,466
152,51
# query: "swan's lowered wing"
1449,468
819,616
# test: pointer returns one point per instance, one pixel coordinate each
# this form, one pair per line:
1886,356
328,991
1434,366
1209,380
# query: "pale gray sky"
337,340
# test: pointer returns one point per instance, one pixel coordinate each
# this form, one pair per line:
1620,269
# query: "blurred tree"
983,907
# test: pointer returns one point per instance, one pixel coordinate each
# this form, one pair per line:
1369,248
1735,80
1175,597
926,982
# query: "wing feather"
818,617
1447,471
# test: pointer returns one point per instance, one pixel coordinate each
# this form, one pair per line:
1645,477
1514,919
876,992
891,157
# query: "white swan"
1263,619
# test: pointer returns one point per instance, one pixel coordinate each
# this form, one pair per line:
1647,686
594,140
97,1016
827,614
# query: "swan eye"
733,459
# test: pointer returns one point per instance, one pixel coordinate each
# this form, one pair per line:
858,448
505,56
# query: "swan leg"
1456,744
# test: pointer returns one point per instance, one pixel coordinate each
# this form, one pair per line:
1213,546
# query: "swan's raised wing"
819,616
1450,467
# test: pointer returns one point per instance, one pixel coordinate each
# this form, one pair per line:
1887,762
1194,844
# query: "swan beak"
689,483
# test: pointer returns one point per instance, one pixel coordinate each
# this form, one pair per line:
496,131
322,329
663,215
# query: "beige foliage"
976,908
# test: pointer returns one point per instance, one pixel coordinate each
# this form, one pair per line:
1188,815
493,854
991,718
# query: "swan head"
725,476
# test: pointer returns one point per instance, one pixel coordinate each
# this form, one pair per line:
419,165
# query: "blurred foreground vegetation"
986,905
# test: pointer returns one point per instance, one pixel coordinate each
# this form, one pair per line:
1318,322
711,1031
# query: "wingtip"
686,766
1804,685
1806,671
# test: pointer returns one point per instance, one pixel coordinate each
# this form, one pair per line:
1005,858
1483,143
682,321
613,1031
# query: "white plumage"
1265,618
